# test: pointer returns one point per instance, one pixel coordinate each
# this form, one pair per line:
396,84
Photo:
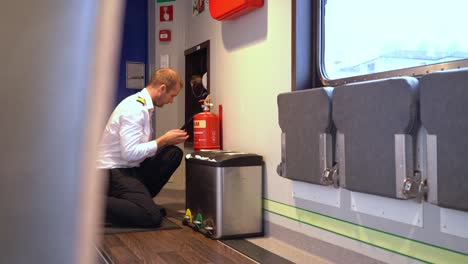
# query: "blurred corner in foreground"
58,70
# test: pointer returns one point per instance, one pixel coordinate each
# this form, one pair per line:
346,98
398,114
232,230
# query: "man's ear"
160,89
163,88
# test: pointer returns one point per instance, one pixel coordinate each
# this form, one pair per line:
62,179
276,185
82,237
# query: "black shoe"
163,212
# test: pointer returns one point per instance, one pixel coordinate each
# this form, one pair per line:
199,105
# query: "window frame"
312,60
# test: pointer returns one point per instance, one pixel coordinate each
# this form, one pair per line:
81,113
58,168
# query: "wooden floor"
168,246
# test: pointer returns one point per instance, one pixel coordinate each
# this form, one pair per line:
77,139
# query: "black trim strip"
255,252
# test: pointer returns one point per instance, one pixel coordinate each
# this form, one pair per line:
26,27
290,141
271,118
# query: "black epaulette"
141,100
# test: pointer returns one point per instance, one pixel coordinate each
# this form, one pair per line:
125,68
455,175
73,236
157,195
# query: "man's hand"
172,137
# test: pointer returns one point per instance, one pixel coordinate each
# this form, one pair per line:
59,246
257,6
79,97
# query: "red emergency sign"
166,13
164,35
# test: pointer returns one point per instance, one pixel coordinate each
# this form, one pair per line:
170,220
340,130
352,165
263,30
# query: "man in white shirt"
138,165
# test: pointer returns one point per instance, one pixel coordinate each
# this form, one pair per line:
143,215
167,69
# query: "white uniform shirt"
126,139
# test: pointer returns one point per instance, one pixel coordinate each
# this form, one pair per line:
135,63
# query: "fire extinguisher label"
199,124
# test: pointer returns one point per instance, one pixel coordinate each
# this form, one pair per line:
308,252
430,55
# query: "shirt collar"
149,102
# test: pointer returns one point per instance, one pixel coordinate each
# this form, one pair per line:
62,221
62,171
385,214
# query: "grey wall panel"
303,116
444,108
369,115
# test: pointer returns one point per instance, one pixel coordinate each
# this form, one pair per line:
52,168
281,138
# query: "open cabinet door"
197,82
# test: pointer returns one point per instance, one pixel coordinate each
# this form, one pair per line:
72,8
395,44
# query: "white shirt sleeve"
132,143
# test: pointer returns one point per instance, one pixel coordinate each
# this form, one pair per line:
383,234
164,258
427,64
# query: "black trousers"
129,200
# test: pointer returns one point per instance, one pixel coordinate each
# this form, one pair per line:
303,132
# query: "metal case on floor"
224,193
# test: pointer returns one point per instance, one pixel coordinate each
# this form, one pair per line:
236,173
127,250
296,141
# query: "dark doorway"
197,64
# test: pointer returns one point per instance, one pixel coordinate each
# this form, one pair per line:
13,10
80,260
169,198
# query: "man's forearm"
161,142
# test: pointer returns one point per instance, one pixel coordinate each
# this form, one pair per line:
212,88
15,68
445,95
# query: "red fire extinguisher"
205,128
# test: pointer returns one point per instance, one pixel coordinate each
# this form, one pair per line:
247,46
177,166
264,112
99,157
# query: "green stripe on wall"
404,246
164,1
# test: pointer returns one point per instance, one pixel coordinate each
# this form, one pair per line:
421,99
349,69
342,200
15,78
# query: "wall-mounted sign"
135,75
164,35
198,7
230,9
164,61
166,13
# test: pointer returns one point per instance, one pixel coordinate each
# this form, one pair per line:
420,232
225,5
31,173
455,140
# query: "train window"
368,39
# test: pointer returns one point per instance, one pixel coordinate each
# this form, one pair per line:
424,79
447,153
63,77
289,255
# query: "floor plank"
169,246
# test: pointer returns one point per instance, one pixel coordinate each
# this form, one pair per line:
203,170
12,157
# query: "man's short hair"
166,76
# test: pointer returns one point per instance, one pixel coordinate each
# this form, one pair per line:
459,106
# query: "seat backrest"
375,121
444,114
305,117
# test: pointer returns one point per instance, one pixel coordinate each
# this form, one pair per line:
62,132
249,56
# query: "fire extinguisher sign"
199,124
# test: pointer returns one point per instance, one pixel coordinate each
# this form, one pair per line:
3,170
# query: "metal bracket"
330,177
281,168
415,187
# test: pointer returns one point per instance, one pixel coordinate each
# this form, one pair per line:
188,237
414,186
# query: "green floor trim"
397,244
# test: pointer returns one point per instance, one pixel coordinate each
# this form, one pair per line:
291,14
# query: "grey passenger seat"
306,125
376,123
444,113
